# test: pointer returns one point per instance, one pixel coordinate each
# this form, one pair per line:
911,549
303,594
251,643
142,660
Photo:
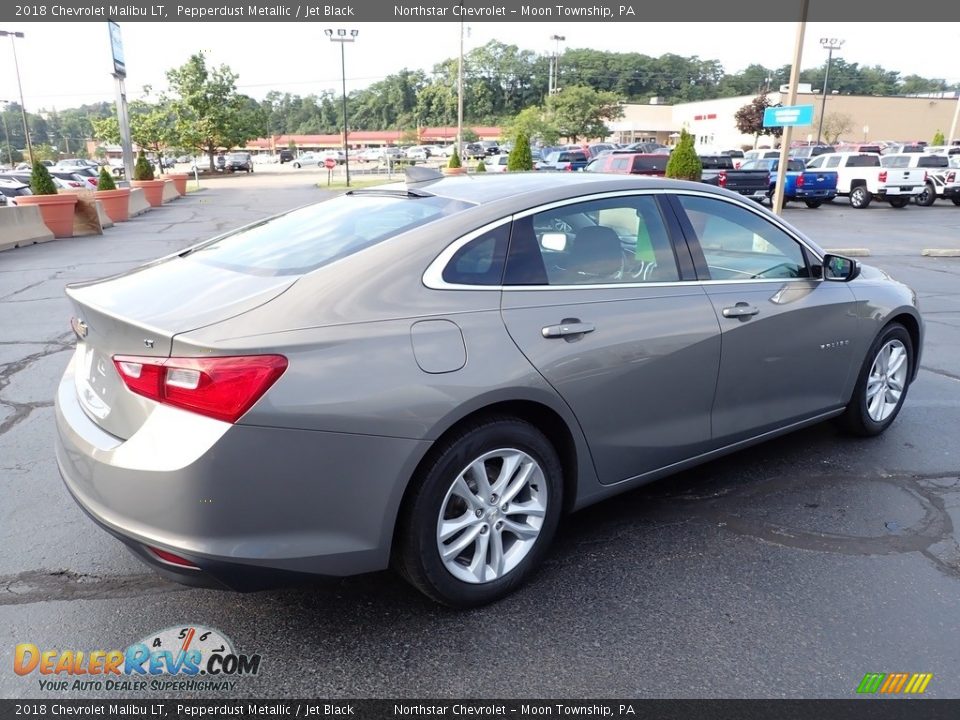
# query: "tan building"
867,119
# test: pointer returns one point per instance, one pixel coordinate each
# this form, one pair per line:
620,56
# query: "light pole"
828,44
6,131
555,64
343,36
459,146
23,110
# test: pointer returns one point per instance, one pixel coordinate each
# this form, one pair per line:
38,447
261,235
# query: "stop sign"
329,163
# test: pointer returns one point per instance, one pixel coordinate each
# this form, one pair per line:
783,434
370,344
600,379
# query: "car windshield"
237,156
307,238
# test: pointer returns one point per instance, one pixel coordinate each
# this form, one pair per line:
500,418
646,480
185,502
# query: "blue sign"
788,115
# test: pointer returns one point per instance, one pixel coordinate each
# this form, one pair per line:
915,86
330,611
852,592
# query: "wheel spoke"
530,509
496,554
897,358
452,550
478,472
449,528
895,384
874,406
873,387
507,470
523,477
478,565
522,531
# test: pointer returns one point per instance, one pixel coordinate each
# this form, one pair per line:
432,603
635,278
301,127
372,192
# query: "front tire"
882,384
296,165
481,515
860,197
899,202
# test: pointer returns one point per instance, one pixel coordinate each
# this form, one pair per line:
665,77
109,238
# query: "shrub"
481,167
142,170
684,163
40,181
520,158
455,160
105,180
939,139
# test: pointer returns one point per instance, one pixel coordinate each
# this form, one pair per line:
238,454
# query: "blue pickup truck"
814,187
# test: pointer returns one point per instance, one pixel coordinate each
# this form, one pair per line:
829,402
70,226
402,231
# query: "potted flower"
455,167
55,209
143,178
116,202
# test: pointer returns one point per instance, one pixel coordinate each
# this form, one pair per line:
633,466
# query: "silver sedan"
427,376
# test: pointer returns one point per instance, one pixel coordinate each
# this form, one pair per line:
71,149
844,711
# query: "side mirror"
839,269
556,241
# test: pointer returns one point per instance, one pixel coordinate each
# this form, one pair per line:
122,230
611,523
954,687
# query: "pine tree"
105,181
40,181
142,170
684,164
520,158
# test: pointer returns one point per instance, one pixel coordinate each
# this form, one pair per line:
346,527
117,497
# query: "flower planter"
116,203
179,181
152,190
454,171
56,211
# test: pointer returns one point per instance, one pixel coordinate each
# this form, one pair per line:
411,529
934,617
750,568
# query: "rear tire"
813,203
880,391
458,501
956,201
899,202
928,197
860,197
296,165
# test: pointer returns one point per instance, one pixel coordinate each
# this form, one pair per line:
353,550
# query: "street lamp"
866,129
828,44
23,110
555,64
6,131
343,36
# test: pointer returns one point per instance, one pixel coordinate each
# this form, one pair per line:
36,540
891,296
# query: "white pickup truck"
861,178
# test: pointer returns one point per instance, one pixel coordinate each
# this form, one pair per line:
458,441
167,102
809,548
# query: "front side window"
597,242
741,245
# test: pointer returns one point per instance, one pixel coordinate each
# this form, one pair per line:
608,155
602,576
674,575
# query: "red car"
630,164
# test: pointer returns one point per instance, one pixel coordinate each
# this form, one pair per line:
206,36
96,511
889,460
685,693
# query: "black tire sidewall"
857,417
421,559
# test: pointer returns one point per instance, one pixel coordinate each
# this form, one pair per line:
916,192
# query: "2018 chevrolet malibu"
428,375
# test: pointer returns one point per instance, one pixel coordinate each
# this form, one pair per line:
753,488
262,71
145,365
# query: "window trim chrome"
433,275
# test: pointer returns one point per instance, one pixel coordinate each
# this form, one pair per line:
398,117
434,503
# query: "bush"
455,160
939,139
520,158
481,167
684,163
40,181
105,180
142,170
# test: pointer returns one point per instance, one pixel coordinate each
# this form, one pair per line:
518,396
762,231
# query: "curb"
941,252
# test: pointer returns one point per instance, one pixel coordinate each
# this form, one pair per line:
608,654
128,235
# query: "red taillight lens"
883,176
722,179
569,168
925,176
74,183
169,557
951,177
223,388
800,181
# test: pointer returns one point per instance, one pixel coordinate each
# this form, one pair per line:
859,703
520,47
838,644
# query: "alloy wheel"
887,380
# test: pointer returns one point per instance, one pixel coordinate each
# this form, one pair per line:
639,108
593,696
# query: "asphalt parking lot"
788,570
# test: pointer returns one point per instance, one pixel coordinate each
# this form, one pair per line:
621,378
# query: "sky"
67,64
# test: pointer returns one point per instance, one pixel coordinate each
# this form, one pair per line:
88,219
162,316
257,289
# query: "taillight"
925,175
951,177
569,168
223,388
169,557
800,181
722,179
74,183
883,176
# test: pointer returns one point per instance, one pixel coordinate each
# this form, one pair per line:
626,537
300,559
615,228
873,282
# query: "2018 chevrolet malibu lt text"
426,376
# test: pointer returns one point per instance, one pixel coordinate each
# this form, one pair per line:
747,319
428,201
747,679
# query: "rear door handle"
567,328
740,310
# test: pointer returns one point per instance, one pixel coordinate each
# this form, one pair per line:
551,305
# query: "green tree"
151,127
45,152
454,160
938,138
684,163
581,112
481,167
533,123
209,114
749,119
142,170
835,124
469,135
520,158
40,181
105,180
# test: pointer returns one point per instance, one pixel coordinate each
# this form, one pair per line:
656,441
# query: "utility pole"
343,37
555,64
828,44
23,110
792,94
460,94
6,131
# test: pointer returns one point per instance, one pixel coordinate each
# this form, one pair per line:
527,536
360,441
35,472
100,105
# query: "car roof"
538,187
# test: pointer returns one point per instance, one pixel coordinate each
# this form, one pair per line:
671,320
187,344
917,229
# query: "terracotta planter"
152,190
116,203
454,171
179,181
56,211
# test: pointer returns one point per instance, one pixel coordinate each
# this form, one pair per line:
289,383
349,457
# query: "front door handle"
740,310
568,328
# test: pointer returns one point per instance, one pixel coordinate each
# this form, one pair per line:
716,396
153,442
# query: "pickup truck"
861,178
718,170
563,160
935,166
814,187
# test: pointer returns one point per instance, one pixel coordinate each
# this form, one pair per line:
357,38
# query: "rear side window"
302,240
480,261
863,161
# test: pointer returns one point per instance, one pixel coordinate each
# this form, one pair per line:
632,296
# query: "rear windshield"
933,161
863,161
305,239
716,162
646,164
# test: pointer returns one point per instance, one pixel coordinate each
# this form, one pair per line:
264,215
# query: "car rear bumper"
816,194
254,507
951,191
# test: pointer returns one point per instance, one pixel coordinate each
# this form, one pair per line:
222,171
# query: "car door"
787,336
597,300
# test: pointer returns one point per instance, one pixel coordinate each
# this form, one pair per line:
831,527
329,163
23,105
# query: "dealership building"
871,119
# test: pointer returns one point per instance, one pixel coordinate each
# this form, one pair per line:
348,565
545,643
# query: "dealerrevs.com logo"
184,658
